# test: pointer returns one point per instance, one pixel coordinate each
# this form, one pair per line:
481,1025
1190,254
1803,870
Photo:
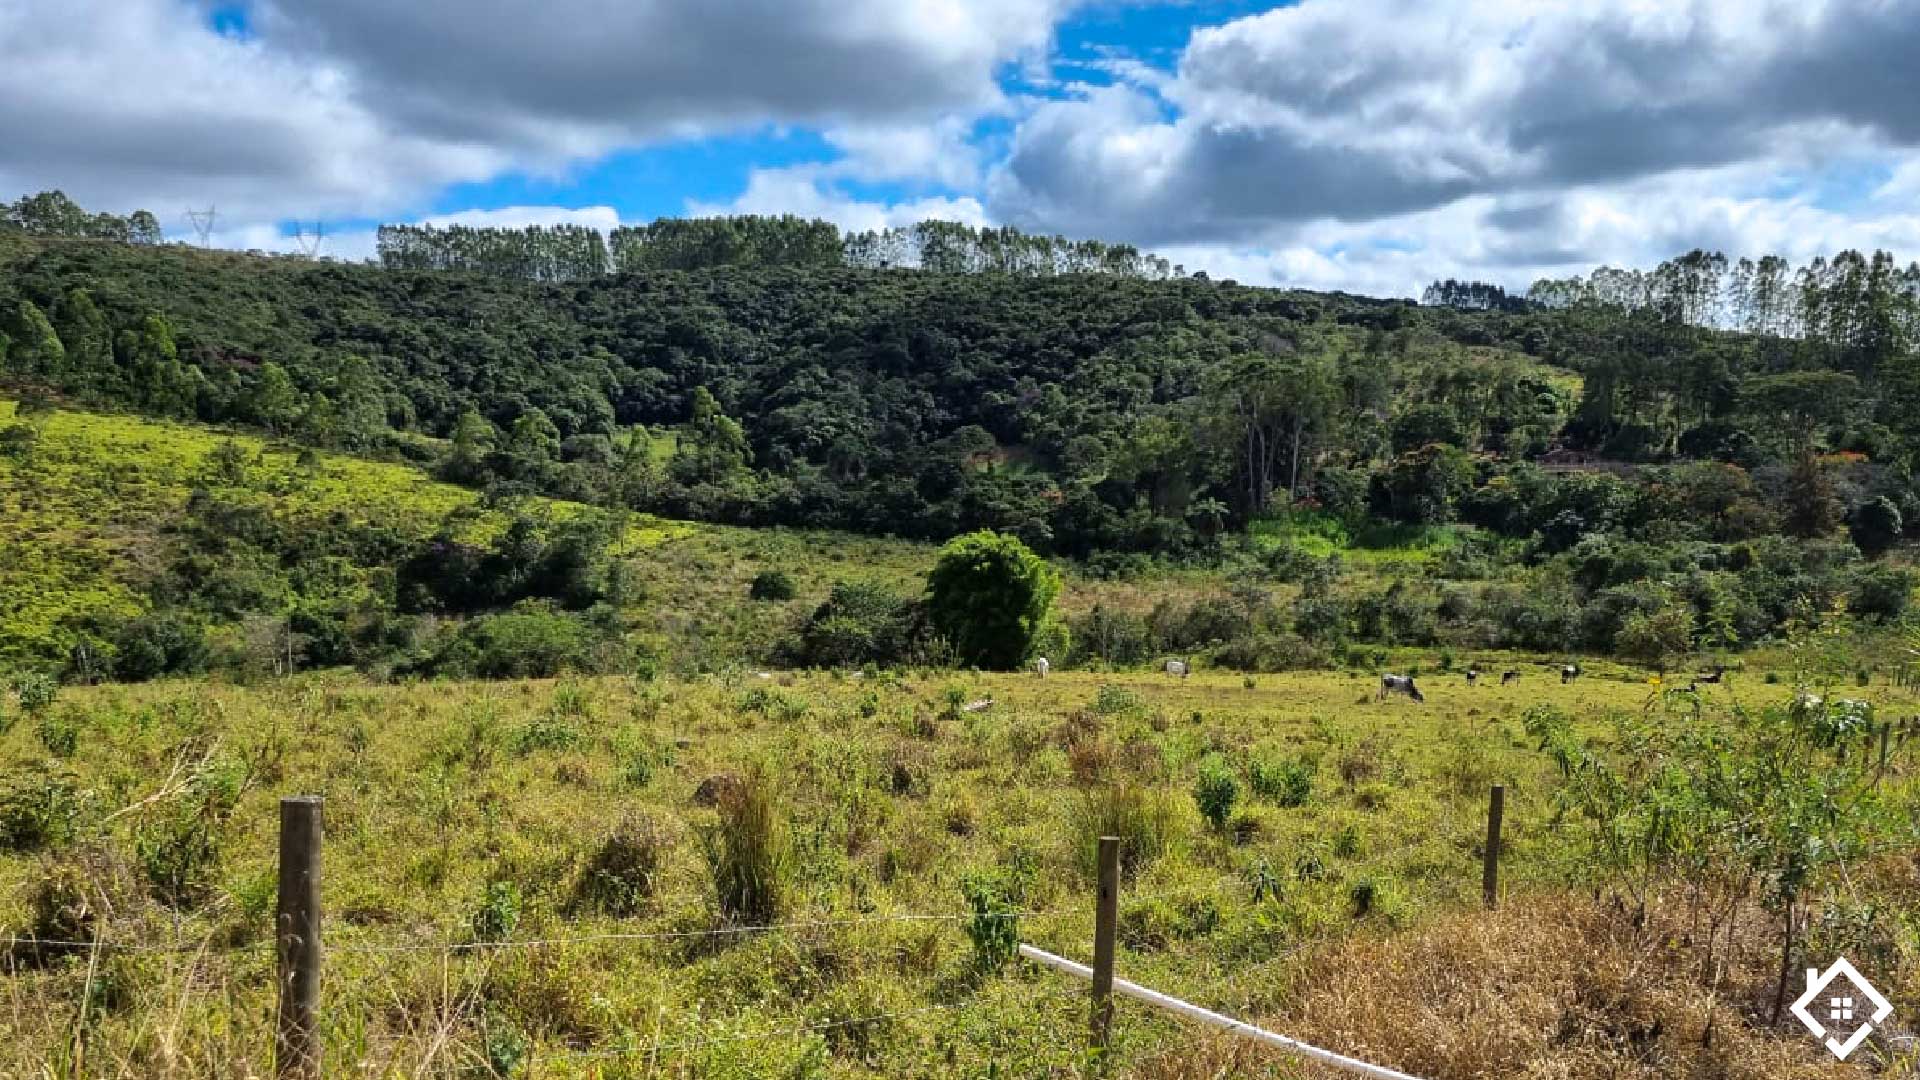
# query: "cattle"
1712,677
1178,668
1041,667
1399,684
1569,673
1509,675
1473,676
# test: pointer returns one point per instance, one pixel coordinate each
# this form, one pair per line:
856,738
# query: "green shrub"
772,586
1287,783
40,810
498,913
179,855
59,732
35,692
1215,792
546,733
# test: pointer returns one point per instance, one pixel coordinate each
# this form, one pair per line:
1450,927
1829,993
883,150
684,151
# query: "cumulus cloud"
803,191
358,108
566,77
1356,110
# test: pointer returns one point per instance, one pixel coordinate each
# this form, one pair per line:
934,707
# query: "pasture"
530,878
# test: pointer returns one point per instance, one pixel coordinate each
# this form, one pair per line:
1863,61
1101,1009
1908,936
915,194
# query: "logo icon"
1833,1007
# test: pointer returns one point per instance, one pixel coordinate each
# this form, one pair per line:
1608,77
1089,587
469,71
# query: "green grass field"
466,812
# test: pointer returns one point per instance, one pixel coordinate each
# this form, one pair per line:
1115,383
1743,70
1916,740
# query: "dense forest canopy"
770,371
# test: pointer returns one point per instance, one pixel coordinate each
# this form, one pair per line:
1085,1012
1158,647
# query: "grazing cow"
1569,673
1178,668
1473,676
1399,684
1712,677
1509,675
1041,667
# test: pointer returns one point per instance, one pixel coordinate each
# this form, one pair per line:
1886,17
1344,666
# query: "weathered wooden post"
1490,866
1106,918
296,1051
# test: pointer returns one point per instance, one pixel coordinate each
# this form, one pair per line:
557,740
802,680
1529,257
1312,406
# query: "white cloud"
1360,110
801,191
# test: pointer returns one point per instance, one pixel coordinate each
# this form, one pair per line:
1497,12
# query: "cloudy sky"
1367,145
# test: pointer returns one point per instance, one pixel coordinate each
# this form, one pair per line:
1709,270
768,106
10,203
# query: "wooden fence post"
1106,918
1490,867
296,1050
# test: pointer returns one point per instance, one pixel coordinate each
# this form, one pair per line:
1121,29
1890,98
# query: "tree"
473,439
713,445
1812,509
36,350
991,598
1266,409
1875,525
274,403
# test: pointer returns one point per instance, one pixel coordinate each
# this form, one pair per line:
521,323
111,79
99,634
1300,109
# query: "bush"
532,641
991,598
179,855
163,643
747,852
860,623
1284,783
620,877
1215,792
35,692
772,586
1880,591
498,912
39,810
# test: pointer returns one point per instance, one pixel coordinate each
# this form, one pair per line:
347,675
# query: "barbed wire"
17,941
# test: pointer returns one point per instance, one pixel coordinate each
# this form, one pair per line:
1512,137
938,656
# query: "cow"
1041,667
1473,676
1509,675
1399,684
1713,676
1178,668
1569,673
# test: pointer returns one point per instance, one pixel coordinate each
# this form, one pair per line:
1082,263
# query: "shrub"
1284,783
178,856
35,692
159,644
772,586
1880,591
859,623
59,732
498,912
993,928
1215,792
747,852
620,877
39,811
991,598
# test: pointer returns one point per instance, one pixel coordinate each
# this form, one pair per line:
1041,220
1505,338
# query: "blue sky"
1367,145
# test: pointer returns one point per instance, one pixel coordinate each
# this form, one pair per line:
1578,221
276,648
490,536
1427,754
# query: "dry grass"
1553,986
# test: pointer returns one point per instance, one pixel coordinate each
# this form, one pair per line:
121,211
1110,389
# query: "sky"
1364,145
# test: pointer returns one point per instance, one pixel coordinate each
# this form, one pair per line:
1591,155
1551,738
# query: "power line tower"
310,240
203,223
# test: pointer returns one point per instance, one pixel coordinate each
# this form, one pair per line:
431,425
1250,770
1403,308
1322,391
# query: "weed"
40,810
1144,819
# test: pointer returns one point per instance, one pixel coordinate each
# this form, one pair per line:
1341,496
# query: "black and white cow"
1509,675
1473,676
1569,673
1399,684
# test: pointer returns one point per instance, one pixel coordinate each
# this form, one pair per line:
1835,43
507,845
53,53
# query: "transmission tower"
310,240
203,223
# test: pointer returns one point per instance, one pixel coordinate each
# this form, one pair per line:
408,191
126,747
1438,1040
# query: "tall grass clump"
622,874
748,851
1215,791
1146,820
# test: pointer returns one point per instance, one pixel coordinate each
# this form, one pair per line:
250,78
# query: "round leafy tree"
990,596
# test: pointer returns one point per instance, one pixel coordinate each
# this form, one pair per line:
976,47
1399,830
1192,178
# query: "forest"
1641,462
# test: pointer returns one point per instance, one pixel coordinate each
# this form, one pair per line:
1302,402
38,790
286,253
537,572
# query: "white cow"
1041,667
1178,668
1399,684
